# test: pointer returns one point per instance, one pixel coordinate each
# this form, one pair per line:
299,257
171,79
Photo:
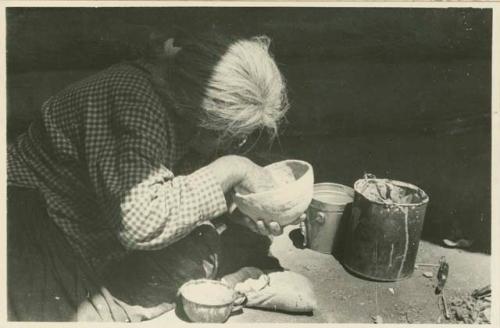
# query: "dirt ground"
344,298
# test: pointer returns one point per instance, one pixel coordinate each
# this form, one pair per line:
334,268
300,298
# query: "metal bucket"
382,239
324,215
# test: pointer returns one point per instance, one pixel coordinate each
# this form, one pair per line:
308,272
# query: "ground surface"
345,298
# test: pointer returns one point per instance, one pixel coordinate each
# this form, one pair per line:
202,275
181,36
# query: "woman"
114,191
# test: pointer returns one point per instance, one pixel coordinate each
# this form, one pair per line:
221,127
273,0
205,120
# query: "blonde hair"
232,86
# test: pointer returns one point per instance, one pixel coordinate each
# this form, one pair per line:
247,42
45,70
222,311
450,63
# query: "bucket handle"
303,229
320,218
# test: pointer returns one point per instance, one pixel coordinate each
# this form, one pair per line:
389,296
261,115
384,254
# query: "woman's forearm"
162,209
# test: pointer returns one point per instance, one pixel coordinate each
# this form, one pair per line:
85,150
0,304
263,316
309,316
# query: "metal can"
324,216
382,239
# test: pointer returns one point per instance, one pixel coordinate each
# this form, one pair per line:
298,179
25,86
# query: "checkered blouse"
103,154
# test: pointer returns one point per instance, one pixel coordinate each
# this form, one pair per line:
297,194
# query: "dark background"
400,93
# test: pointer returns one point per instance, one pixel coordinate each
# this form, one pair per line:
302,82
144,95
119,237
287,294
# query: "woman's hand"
233,170
256,179
229,170
273,228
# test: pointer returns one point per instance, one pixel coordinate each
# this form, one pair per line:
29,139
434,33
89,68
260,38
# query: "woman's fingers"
261,226
250,224
275,228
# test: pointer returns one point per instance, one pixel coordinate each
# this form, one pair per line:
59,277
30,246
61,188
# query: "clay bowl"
285,203
205,300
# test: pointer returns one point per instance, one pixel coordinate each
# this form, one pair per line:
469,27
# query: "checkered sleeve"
162,209
149,206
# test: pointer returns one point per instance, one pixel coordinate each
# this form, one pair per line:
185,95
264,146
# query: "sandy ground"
344,298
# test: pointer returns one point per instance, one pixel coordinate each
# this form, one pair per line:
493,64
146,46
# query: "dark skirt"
47,282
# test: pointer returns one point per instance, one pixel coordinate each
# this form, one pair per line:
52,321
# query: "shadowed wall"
400,93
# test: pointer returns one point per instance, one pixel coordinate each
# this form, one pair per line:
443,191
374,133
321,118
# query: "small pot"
207,300
322,228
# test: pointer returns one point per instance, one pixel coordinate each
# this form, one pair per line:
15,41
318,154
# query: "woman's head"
229,87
